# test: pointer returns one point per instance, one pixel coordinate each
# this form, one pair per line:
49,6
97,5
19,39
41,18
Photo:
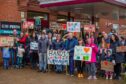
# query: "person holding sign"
58,45
70,43
34,50
118,57
91,66
80,64
108,58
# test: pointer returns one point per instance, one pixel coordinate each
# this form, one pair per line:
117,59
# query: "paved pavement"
28,76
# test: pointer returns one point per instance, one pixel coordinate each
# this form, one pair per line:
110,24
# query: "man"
70,43
43,46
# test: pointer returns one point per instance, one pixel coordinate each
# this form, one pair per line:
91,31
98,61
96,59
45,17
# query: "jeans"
13,56
6,63
42,61
71,64
19,61
91,69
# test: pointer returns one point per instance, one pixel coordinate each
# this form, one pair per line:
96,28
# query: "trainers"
94,77
106,77
81,75
90,77
111,78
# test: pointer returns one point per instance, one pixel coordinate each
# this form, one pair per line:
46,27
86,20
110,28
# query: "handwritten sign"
121,49
73,26
6,41
107,66
89,28
82,53
34,46
122,32
58,57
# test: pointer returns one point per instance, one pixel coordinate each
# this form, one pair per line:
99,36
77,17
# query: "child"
91,65
6,57
108,58
20,55
80,64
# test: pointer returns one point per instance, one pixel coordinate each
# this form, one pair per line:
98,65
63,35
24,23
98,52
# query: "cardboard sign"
58,57
122,32
34,46
73,26
121,49
82,53
89,28
107,66
6,41
28,24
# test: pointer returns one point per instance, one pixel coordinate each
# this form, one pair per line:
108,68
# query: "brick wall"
9,11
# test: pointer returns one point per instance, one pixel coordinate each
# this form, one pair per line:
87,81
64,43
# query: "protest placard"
107,66
73,26
122,32
58,57
34,46
121,49
6,41
89,28
82,53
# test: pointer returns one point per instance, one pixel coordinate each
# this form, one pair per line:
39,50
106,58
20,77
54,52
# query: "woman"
118,57
58,45
34,50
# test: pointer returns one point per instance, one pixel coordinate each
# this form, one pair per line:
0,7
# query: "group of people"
21,54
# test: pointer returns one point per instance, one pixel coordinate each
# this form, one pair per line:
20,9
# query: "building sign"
52,1
6,28
121,1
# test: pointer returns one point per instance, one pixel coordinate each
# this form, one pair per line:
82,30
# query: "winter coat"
94,52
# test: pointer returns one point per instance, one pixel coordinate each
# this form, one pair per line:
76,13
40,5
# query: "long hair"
116,38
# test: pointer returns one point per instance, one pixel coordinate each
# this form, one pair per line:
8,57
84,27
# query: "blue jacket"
6,52
57,45
118,57
70,44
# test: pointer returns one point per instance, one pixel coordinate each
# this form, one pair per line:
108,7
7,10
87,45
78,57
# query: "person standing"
6,56
118,57
34,50
58,45
91,66
70,43
43,44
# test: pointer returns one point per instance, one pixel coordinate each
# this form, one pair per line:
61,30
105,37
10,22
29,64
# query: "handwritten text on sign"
58,57
73,26
82,53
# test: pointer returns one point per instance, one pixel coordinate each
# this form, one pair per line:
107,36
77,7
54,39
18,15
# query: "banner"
89,28
34,46
82,53
121,49
58,57
73,26
107,66
6,41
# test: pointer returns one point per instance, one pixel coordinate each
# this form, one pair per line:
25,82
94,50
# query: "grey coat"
43,45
